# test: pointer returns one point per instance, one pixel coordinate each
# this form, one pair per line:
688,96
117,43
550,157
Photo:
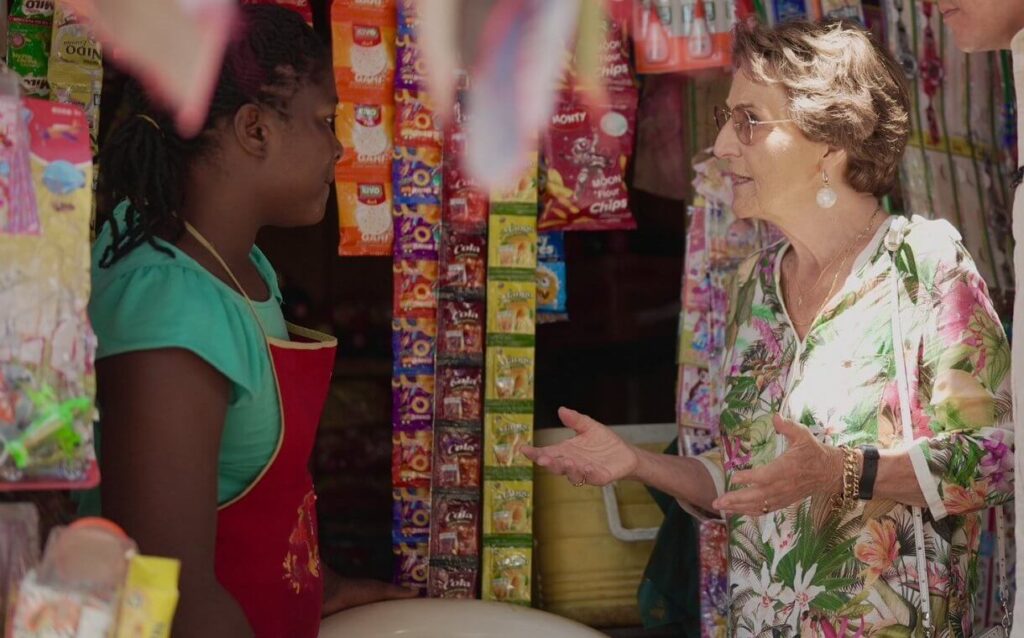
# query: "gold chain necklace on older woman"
839,259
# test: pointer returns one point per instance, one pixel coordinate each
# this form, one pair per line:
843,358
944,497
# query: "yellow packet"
150,597
512,307
504,434
508,507
506,574
522,191
510,373
513,241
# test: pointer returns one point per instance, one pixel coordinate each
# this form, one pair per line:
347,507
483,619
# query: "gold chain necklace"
844,255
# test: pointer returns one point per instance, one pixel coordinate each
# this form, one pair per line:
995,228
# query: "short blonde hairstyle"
844,88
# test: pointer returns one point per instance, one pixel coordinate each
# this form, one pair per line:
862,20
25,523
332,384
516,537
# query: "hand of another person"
808,467
595,456
345,593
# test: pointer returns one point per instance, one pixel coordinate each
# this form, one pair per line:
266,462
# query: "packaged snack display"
417,230
461,331
410,465
510,374
449,579
411,511
464,267
410,74
457,458
505,434
509,505
455,527
460,394
521,194
512,241
416,172
413,400
47,380
415,288
28,44
414,341
365,132
551,283
75,71
506,574
364,52
414,121
511,312
364,213
411,565
586,153
150,597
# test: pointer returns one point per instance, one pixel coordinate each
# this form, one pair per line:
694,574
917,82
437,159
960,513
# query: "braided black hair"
144,161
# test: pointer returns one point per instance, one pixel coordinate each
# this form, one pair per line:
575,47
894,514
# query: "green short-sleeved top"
151,300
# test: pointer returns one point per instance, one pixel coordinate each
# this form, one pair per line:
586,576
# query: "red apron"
267,552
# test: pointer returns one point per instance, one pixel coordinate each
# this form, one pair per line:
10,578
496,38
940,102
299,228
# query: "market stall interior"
466,316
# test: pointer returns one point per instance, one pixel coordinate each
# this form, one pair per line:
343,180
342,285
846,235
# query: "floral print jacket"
807,570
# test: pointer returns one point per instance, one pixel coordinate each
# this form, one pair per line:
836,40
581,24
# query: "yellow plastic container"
587,570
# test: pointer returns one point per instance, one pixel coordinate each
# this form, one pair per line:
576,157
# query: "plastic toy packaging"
506,574
28,44
76,589
513,241
464,267
455,526
460,395
505,434
47,381
682,35
461,331
450,579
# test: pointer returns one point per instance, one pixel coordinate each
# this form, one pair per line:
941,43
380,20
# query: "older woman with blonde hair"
852,473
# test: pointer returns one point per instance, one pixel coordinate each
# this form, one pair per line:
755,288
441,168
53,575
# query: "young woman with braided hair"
209,401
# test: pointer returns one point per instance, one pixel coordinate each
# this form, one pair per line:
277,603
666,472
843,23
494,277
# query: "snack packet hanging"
460,331
509,504
460,398
520,194
28,44
410,73
505,433
455,526
411,511
511,312
413,342
412,398
513,241
411,564
417,173
75,72
510,374
466,204
364,53
416,124
365,132
506,574
464,266
150,597
408,16
416,232
586,154
364,213
415,288
457,458
449,579
410,457
551,283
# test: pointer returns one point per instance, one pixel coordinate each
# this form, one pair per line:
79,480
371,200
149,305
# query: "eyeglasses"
743,122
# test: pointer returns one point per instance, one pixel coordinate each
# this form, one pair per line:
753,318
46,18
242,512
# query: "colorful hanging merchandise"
75,70
688,35
28,44
716,244
47,381
364,71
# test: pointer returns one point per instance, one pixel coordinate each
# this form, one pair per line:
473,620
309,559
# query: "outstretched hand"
595,456
808,467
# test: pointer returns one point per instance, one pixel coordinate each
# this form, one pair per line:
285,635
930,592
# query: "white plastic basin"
435,618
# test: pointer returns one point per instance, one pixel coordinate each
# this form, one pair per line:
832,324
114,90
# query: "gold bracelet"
851,480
